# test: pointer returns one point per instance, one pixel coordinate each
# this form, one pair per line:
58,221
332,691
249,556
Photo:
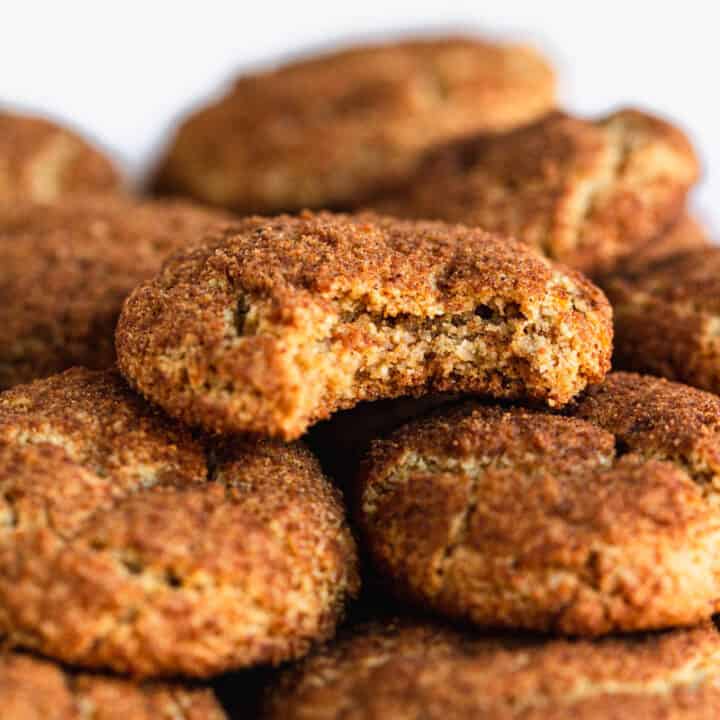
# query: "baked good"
415,670
42,161
328,131
126,545
585,193
65,269
274,323
598,520
35,689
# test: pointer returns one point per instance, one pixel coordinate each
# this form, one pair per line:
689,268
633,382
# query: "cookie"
42,161
599,520
124,545
584,193
330,130
34,689
65,270
413,670
277,322
667,317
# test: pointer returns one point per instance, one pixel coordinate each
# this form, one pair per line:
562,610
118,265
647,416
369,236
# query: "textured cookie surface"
120,548
276,322
65,269
416,671
603,519
41,162
667,317
329,131
34,689
584,193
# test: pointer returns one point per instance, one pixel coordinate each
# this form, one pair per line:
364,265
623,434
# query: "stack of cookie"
204,410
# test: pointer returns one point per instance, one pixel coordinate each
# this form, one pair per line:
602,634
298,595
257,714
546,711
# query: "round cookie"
34,689
667,317
275,323
41,161
585,193
413,670
328,131
122,547
603,519
65,270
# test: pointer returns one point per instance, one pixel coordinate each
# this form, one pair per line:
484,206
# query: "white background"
124,71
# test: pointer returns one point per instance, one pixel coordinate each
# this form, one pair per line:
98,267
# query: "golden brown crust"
584,193
667,317
65,269
602,520
120,549
34,689
41,161
409,670
328,131
275,323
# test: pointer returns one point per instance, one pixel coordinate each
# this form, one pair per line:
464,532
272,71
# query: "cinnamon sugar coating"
121,547
328,131
275,323
599,520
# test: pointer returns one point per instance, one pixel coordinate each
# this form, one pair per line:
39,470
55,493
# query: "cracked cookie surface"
65,269
41,161
123,546
330,130
414,670
584,193
603,519
275,323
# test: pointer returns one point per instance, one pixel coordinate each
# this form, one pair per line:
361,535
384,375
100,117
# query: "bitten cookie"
413,670
121,548
65,269
667,317
277,322
41,161
584,193
602,520
34,689
329,131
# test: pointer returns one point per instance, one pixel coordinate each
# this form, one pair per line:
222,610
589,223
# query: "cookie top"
65,269
274,323
603,519
31,689
413,670
42,161
123,546
329,131
584,193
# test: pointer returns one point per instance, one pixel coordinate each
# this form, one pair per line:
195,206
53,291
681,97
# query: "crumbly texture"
413,670
41,161
604,519
331,130
584,193
123,547
277,322
65,269
667,317
35,689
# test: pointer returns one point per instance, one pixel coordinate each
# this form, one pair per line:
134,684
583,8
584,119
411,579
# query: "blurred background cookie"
585,193
330,130
42,161
275,323
65,269
603,520
125,545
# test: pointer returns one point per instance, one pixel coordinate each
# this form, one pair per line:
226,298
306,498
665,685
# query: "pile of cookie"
359,332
